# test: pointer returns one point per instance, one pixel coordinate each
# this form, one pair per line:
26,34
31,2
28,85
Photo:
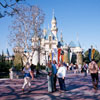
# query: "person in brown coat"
93,68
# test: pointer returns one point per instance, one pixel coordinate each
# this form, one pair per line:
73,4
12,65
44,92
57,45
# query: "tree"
18,61
96,56
27,23
8,7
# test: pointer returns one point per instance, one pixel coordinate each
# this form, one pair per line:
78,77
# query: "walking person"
85,66
75,69
61,77
32,66
33,69
27,77
93,68
50,77
54,74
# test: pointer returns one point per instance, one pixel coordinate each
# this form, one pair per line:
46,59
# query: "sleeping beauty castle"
50,48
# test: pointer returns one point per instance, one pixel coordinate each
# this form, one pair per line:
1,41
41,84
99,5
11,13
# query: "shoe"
23,90
56,89
29,91
50,92
94,86
61,91
65,90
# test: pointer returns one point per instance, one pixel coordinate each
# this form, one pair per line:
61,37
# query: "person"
79,68
75,69
85,69
33,69
61,77
54,74
27,76
67,66
11,73
71,67
50,77
93,68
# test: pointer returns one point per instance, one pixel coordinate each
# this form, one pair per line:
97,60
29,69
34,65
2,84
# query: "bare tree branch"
8,7
26,23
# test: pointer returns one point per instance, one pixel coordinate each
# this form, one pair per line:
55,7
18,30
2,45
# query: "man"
61,77
85,66
54,74
93,68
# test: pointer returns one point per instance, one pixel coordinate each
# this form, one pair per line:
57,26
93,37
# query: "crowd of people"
58,71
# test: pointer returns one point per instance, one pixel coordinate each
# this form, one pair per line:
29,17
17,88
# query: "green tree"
18,64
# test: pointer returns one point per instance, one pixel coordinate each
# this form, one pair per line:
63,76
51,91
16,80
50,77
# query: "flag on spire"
90,54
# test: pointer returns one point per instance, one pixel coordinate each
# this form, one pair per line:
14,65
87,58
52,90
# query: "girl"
27,76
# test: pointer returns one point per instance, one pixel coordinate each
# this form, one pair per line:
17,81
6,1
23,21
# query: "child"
27,76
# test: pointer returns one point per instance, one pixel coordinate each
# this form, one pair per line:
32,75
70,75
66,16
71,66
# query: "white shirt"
61,72
27,70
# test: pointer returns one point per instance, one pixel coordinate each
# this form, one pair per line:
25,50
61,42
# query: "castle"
48,47
51,48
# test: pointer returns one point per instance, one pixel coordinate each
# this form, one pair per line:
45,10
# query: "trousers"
27,81
62,84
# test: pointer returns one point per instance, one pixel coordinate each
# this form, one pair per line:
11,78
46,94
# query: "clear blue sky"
73,16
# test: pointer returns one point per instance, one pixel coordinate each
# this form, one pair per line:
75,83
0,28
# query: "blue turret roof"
48,34
78,44
72,44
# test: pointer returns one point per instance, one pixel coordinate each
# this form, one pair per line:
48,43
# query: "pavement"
78,88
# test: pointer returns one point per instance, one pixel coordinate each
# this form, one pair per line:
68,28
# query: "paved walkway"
78,88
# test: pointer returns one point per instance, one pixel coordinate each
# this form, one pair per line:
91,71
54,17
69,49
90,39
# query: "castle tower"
78,52
54,28
66,55
35,47
61,38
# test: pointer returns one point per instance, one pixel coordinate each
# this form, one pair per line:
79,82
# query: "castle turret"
54,28
61,38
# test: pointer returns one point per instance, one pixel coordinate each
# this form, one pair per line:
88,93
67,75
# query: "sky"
75,18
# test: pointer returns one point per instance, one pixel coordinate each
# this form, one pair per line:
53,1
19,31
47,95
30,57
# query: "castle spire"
77,37
61,37
54,28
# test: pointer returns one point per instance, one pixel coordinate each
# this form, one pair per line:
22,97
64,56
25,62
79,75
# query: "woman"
61,77
50,76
